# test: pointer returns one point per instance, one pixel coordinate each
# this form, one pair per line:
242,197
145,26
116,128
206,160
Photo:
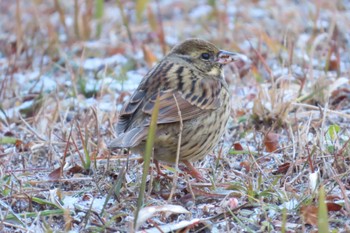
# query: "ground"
67,67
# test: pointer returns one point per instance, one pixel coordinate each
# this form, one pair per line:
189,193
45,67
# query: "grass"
147,160
283,165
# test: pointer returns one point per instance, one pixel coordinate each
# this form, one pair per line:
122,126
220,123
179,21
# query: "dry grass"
66,67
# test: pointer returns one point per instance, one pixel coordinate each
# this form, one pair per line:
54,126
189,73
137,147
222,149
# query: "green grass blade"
284,220
8,140
98,16
147,157
140,7
43,213
323,226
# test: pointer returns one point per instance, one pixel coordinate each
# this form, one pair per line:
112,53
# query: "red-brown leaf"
237,146
282,169
56,174
246,165
271,142
75,169
333,206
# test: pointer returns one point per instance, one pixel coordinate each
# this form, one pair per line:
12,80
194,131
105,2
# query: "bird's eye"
205,56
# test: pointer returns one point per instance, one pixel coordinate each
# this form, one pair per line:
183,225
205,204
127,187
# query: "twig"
61,180
344,193
176,175
25,229
32,130
126,24
325,110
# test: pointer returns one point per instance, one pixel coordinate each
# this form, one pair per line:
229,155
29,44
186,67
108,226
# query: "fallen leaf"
75,169
333,62
68,220
245,165
18,143
56,174
21,147
150,211
231,203
271,142
183,226
87,197
331,206
237,146
309,214
282,169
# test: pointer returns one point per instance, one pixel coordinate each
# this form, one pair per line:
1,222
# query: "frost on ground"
65,72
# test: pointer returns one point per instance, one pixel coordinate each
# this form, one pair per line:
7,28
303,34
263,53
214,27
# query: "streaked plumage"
191,73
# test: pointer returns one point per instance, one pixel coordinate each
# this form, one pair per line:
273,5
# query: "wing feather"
201,95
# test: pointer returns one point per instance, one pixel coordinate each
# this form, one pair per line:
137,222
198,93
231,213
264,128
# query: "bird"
190,85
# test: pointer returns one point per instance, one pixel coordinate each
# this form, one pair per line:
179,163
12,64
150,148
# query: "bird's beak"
225,57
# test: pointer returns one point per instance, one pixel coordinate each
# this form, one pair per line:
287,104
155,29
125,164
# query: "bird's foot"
193,171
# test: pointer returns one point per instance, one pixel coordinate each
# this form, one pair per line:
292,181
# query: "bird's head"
205,56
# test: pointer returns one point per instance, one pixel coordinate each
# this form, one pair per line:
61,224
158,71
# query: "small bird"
191,88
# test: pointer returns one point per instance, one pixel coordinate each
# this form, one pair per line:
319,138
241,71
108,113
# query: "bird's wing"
127,114
174,107
195,97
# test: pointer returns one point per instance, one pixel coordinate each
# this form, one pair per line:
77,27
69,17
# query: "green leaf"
140,7
8,140
27,215
333,130
98,15
323,226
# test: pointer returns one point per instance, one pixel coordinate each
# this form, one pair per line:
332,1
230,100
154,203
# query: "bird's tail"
129,139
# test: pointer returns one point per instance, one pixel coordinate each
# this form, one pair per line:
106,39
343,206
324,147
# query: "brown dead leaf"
271,142
7,133
245,165
68,220
87,197
309,214
21,146
282,169
18,143
75,169
334,63
56,174
331,206
149,56
237,146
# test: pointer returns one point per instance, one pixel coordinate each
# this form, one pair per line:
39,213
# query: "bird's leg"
160,173
193,171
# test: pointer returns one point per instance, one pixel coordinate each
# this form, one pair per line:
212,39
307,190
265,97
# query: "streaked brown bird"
190,79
